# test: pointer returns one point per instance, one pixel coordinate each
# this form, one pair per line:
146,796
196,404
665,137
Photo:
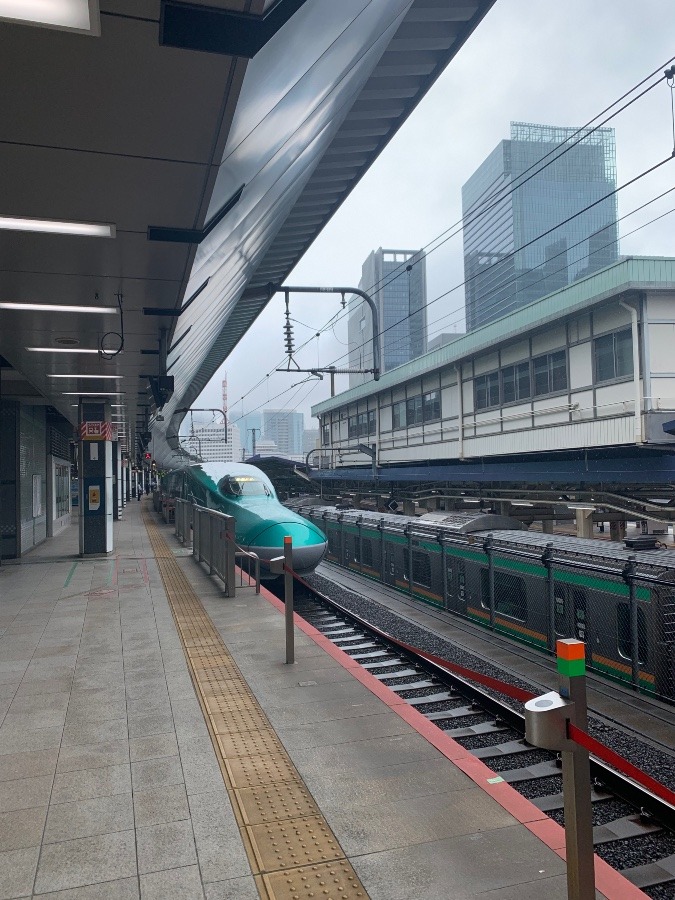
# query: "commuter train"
261,522
530,586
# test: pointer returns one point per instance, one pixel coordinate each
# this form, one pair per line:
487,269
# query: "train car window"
510,595
367,554
623,632
421,568
243,486
449,577
357,554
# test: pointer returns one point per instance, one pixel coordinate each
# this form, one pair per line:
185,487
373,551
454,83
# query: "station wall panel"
580,365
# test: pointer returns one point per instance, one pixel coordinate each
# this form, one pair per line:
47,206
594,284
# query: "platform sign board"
96,431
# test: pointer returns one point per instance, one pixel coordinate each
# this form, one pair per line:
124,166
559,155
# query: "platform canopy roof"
212,142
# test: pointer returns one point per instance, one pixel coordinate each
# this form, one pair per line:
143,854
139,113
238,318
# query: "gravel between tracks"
659,765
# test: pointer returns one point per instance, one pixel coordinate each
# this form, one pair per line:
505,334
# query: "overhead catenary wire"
626,184
505,308
448,233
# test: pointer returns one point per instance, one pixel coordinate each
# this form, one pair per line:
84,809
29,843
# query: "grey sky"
541,61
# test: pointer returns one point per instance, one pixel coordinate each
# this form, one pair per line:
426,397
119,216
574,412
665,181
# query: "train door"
456,584
389,565
571,620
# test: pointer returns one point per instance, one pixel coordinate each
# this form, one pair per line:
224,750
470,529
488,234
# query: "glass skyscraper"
397,282
518,242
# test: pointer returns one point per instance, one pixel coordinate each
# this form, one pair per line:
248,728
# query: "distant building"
224,386
396,280
247,425
285,427
208,443
265,447
447,337
310,439
515,247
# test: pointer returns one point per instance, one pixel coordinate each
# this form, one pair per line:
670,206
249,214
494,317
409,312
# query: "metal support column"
95,477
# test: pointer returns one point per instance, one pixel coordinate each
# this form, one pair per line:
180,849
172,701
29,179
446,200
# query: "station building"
588,366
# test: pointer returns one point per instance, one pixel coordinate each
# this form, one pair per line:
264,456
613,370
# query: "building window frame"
611,342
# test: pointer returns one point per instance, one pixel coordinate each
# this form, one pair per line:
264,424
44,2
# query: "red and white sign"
95,431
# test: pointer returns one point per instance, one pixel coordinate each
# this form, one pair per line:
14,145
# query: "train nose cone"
309,544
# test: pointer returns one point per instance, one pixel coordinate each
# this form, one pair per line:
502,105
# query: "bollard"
547,721
288,599
571,655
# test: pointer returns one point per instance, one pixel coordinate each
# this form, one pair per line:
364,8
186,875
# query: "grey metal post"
210,560
230,552
576,775
547,560
288,599
380,528
629,571
487,547
408,533
444,569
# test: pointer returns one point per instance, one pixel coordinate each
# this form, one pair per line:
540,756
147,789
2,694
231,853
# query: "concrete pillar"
547,526
95,477
617,530
502,507
408,507
584,519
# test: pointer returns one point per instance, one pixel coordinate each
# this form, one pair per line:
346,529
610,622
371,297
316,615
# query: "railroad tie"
292,851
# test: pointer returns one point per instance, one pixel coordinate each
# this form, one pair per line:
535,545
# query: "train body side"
451,570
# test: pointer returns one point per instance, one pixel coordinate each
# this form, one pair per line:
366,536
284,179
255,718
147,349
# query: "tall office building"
397,282
285,428
518,242
208,442
224,386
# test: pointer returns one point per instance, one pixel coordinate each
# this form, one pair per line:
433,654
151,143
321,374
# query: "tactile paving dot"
275,802
331,881
226,704
293,842
247,771
236,721
250,743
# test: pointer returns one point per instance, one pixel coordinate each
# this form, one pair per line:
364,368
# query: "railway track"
633,830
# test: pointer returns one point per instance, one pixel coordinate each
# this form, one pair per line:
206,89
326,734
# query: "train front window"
243,486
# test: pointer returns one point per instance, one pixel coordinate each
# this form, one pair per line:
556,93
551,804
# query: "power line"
526,244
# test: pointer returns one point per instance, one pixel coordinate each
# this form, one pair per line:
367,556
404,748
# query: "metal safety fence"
211,534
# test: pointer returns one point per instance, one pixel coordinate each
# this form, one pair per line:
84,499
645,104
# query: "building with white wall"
589,366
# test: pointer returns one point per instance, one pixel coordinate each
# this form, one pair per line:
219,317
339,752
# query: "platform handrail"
213,543
183,520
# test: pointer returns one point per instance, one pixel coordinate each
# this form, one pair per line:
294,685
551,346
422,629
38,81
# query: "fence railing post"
488,548
288,599
230,561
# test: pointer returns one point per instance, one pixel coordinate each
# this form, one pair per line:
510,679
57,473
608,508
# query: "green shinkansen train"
261,522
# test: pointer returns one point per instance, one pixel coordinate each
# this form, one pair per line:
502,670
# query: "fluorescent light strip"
60,350
85,376
56,307
52,226
70,15
92,393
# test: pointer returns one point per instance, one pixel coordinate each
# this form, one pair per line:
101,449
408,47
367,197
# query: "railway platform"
154,744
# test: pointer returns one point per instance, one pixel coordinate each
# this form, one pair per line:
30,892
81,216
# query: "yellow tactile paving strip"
292,851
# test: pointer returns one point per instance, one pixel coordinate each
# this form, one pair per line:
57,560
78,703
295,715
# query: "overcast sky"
541,61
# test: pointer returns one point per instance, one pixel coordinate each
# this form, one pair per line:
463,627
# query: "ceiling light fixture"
54,226
56,307
60,350
92,393
67,15
84,376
